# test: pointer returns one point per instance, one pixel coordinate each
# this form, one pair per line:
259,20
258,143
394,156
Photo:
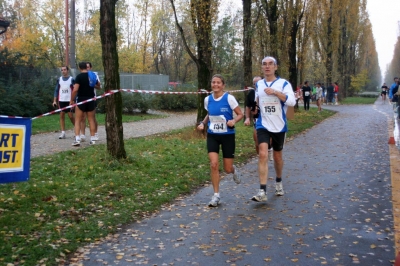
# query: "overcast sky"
384,16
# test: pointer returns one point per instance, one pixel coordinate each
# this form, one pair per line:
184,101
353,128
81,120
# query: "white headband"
269,57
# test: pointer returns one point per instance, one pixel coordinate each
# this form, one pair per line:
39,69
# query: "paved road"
337,209
48,143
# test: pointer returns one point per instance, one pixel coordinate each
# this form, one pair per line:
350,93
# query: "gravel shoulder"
48,143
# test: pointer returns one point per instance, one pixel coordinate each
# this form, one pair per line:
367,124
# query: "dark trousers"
330,97
306,100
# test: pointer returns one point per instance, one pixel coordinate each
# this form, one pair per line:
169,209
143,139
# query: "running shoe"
261,196
62,136
279,189
236,175
271,154
95,137
83,138
92,142
214,201
76,143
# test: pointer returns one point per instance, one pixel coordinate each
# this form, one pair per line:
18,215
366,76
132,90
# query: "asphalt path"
337,207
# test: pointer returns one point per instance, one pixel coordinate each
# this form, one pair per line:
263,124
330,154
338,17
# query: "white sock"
62,132
217,195
77,138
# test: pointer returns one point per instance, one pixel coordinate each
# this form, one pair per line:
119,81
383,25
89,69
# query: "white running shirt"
272,109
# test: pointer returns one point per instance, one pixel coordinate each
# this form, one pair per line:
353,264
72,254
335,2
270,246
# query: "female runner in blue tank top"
221,132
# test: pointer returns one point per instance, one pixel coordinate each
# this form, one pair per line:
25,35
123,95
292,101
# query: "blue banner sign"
15,149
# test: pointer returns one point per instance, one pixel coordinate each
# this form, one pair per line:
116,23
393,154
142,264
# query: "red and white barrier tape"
202,91
164,92
73,105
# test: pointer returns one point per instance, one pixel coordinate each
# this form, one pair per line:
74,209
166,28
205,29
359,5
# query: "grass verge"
51,123
80,196
358,100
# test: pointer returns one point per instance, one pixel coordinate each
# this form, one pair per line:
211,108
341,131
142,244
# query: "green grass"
358,100
77,197
51,123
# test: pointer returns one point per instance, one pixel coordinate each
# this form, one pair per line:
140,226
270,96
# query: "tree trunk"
200,11
343,65
329,52
247,36
204,79
271,9
293,54
247,55
108,34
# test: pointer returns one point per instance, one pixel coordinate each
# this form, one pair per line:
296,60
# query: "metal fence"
9,75
141,81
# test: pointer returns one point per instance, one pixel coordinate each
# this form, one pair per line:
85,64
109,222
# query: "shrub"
176,102
26,97
134,101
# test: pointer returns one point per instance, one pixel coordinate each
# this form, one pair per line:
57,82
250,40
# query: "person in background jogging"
273,95
62,94
318,96
220,106
252,110
384,92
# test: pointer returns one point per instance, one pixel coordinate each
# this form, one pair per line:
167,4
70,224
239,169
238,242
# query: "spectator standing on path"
314,93
394,99
384,92
62,94
318,96
323,98
220,106
273,95
306,96
252,110
82,92
336,91
83,122
330,91
298,95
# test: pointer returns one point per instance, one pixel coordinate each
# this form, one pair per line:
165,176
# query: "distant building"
173,84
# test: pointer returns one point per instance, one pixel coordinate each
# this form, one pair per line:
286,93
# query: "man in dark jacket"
330,91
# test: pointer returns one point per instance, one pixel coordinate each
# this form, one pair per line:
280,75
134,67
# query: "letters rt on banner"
15,149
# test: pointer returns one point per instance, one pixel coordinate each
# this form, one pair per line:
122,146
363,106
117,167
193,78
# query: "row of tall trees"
312,39
394,66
